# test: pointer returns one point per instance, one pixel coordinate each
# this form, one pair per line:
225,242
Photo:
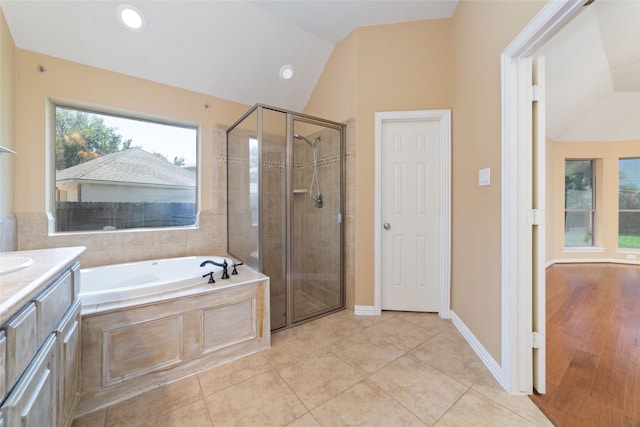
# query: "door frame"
517,301
443,117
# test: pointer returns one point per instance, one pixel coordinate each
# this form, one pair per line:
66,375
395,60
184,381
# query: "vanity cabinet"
40,356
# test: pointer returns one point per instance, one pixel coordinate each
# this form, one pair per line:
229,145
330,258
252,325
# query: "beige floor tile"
334,328
289,345
364,405
429,321
368,321
263,400
489,387
155,402
319,377
366,353
352,370
450,353
473,409
193,415
423,390
94,419
401,333
306,420
221,377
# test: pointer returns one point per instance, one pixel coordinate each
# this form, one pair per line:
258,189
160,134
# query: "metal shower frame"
290,118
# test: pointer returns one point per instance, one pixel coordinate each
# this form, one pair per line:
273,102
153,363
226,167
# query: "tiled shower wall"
317,230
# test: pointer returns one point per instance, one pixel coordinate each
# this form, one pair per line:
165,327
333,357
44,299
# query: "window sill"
583,249
628,251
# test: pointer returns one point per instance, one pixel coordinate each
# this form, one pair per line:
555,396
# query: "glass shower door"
316,220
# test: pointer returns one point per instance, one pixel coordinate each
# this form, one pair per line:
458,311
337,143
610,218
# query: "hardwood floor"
593,345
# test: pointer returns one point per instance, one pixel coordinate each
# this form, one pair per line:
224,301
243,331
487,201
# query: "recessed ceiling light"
130,17
286,72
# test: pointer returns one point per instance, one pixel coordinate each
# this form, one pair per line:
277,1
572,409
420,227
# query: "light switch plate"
484,177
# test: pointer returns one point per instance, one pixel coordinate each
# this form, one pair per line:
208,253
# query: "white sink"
11,263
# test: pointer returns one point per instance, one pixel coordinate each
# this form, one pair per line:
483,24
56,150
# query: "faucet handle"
234,271
211,279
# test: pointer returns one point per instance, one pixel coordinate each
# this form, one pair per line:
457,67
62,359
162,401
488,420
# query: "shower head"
311,143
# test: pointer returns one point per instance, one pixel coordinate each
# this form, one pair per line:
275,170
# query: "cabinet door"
68,333
22,343
33,401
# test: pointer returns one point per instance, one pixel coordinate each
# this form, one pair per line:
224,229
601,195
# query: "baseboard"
591,260
365,310
478,348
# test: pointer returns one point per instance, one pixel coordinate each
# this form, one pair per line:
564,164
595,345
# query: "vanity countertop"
19,287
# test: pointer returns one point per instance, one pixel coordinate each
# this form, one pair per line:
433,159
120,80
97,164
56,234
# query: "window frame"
51,198
634,210
593,209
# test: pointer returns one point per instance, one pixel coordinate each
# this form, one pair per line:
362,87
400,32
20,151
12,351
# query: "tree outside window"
629,203
579,203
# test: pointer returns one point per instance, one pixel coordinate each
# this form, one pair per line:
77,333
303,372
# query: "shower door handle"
387,226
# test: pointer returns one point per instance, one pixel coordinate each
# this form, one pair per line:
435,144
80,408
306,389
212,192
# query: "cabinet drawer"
22,342
3,365
52,303
33,400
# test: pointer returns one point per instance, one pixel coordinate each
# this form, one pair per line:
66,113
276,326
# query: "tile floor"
410,369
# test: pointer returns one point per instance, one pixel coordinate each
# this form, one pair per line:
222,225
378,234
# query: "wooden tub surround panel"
129,350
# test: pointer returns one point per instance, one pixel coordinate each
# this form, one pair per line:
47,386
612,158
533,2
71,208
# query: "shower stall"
285,199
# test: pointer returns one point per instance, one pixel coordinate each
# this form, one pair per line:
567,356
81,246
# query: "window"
115,172
579,204
629,203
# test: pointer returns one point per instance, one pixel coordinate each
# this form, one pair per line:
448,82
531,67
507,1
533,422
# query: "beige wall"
481,31
7,64
86,86
374,69
606,155
431,65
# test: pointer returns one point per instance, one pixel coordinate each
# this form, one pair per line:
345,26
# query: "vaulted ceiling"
229,49
235,49
593,75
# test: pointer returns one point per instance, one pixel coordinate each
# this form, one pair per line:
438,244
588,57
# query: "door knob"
387,226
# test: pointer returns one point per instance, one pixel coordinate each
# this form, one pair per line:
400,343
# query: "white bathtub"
134,280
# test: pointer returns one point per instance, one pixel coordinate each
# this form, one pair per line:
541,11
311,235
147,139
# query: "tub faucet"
224,265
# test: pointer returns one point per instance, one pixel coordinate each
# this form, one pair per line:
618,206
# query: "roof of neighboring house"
132,165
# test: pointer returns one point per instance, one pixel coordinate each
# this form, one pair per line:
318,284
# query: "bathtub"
149,323
135,280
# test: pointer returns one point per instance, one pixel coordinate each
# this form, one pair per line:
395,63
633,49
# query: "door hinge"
535,216
535,93
537,340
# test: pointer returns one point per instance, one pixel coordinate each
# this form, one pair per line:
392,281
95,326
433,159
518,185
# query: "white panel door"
410,172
